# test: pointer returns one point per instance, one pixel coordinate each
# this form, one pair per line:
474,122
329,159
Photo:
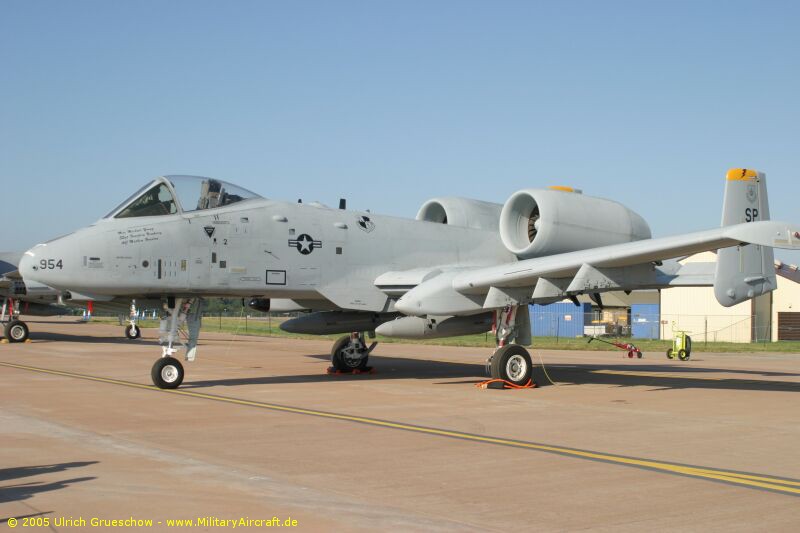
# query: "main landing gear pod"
510,362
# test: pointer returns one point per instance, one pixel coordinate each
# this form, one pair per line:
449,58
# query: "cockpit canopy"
173,194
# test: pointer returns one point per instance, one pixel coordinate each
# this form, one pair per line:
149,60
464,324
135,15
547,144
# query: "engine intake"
539,222
461,212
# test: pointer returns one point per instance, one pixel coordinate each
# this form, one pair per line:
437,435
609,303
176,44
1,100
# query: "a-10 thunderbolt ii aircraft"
18,298
462,266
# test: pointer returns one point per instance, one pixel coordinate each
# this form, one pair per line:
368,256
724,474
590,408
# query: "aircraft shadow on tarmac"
23,491
46,336
679,377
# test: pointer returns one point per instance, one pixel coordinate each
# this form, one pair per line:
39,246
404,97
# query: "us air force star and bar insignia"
366,224
305,244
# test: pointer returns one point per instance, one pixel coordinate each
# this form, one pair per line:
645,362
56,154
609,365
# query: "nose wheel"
167,373
133,332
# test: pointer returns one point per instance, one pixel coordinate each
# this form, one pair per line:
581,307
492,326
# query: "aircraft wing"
527,272
628,266
13,274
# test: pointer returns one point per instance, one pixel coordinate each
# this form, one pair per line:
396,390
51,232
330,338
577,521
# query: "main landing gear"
133,331
14,329
351,353
510,362
182,323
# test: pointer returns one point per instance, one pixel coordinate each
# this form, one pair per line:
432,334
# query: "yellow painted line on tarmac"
775,484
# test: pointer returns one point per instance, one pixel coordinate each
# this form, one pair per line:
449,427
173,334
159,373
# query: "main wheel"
133,332
16,331
345,356
512,363
670,354
683,355
167,373
688,346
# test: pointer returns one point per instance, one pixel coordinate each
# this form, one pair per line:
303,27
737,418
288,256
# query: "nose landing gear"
133,331
167,371
14,329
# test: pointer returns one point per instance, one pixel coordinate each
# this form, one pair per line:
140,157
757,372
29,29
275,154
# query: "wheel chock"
501,384
332,371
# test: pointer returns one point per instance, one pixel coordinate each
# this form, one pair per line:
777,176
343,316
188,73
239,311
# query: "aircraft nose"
27,265
44,263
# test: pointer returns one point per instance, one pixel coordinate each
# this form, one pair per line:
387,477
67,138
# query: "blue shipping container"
559,319
645,321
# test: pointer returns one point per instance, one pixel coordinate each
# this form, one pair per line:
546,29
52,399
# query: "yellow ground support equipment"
681,344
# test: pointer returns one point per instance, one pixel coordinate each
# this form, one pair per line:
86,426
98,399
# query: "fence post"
558,323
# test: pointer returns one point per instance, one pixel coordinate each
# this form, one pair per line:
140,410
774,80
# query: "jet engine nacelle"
461,212
539,222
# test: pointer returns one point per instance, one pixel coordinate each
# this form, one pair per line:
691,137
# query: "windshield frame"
130,199
178,184
166,181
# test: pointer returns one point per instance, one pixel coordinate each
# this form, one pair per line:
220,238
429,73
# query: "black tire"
688,346
683,355
512,363
670,354
342,363
638,354
167,373
16,331
133,332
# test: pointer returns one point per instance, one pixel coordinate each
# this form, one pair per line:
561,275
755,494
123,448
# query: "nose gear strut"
182,323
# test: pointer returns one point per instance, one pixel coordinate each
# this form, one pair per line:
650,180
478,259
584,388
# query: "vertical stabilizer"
747,271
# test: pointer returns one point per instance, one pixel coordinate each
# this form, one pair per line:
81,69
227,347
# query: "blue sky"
390,103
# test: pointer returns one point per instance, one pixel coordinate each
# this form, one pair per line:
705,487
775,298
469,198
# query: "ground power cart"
681,346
